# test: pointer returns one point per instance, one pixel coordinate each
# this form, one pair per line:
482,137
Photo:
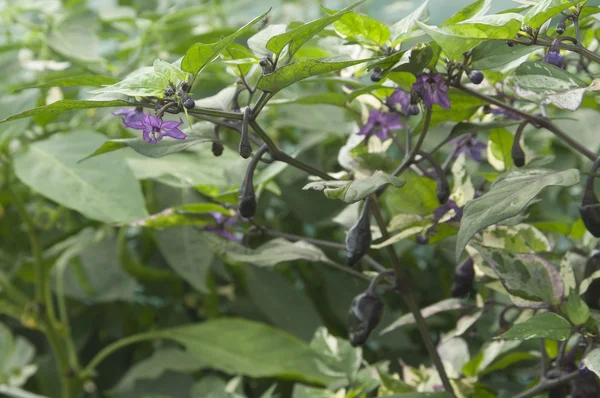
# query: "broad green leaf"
84,81
258,42
495,53
510,360
239,346
302,69
66,106
544,10
188,214
379,92
508,196
569,265
480,7
487,355
546,325
516,238
186,251
200,54
416,197
337,353
576,309
499,149
585,284
102,189
592,361
75,37
271,253
464,36
543,78
355,190
162,360
442,306
146,81
163,148
407,24
526,276
11,105
463,106
362,28
303,33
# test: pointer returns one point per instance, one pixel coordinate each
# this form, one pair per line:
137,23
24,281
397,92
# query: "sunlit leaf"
546,325
355,190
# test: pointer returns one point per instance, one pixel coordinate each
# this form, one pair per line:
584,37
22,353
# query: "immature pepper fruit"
247,198
464,275
365,314
358,239
590,206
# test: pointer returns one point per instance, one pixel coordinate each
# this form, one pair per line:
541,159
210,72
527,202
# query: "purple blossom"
155,128
553,57
469,146
380,124
433,89
505,113
130,115
221,227
445,208
399,97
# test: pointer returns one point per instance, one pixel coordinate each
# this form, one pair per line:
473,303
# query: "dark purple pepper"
245,148
464,275
510,43
169,92
185,86
375,75
358,239
422,239
247,199
590,206
561,27
475,76
365,314
413,109
217,148
553,57
189,103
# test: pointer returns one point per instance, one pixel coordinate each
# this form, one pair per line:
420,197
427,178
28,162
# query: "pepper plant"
221,199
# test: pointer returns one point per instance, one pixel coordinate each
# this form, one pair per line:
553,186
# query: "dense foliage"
220,199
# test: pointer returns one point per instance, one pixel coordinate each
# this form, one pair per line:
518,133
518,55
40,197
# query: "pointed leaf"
362,28
401,28
544,10
71,81
200,54
576,309
302,69
546,325
66,106
592,361
509,195
189,214
444,305
480,7
355,190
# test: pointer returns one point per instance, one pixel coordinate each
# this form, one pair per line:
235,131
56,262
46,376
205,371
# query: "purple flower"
380,124
155,128
221,227
469,146
130,115
553,57
445,208
433,89
507,114
399,97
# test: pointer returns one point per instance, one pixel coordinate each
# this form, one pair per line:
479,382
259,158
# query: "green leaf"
338,354
336,99
302,69
51,168
84,81
188,214
475,9
499,149
463,106
576,309
239,346
380,92
355,190
200,54
303,33
495,53
585,284
544,10
401,29
592,361
439,394
163,148
362,28
544,78
269,254
66,106
526,276
417,196
546,325
186,251
442,306
510,360
508,196
461,37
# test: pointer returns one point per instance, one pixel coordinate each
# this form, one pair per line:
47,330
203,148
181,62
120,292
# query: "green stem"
405,292
108,350
547,384
61,359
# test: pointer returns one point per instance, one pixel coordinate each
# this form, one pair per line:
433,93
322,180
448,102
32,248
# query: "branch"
547,384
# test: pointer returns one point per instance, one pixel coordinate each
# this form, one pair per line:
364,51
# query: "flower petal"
171,125
174,133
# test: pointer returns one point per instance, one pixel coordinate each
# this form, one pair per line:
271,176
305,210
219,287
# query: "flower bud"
475,76
464,275
375,75
365,314
442,190
422,239
517,154
245,149
185,86
561,27
169,92
413,109
358,239
217,148
553,57
189,103
247,198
